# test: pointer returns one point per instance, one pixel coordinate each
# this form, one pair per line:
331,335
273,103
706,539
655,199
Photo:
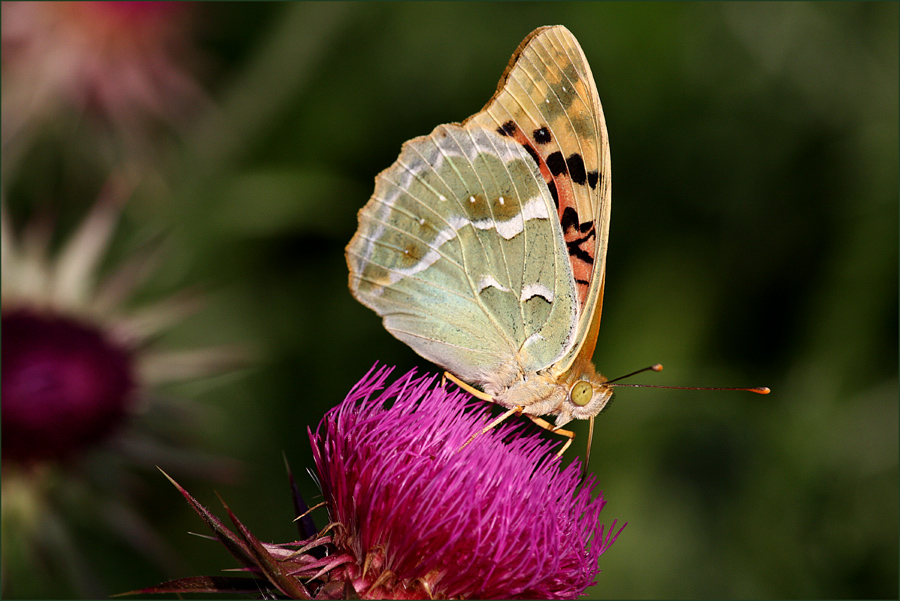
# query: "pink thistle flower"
415,512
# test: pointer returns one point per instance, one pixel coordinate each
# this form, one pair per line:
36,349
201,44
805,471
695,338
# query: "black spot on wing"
583,239
587,226
553,192
542,135
585,282
507,129
556,163
533,153
576,168
569,219
577,252
593,179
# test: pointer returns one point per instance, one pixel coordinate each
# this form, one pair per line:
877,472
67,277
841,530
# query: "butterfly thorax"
579,393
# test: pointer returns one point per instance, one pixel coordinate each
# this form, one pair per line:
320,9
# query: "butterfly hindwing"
459,252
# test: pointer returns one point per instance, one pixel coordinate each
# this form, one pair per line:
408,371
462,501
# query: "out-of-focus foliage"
754,241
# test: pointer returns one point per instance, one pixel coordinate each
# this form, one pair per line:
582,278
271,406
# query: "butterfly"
483,247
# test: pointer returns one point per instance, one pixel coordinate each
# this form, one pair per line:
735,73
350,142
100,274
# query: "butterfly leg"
514,411
468,388
548,426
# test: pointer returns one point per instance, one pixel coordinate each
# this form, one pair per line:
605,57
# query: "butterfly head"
587,396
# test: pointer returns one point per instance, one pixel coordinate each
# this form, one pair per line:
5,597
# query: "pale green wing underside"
460,251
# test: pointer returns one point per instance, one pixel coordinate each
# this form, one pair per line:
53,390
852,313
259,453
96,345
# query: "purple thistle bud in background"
415,512
65,386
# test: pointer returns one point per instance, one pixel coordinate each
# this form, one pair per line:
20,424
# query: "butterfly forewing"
547,101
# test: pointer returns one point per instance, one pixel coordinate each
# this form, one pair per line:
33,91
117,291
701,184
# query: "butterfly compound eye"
581,393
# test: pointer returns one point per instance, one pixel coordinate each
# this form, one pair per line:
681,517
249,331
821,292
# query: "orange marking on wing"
581,268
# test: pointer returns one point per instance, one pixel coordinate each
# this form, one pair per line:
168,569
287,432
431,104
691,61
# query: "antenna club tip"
761,390
657,367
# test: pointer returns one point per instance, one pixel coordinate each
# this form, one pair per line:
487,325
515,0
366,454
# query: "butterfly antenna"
654,367
756,389
659,367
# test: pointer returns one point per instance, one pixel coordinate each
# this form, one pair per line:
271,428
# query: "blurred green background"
754,241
